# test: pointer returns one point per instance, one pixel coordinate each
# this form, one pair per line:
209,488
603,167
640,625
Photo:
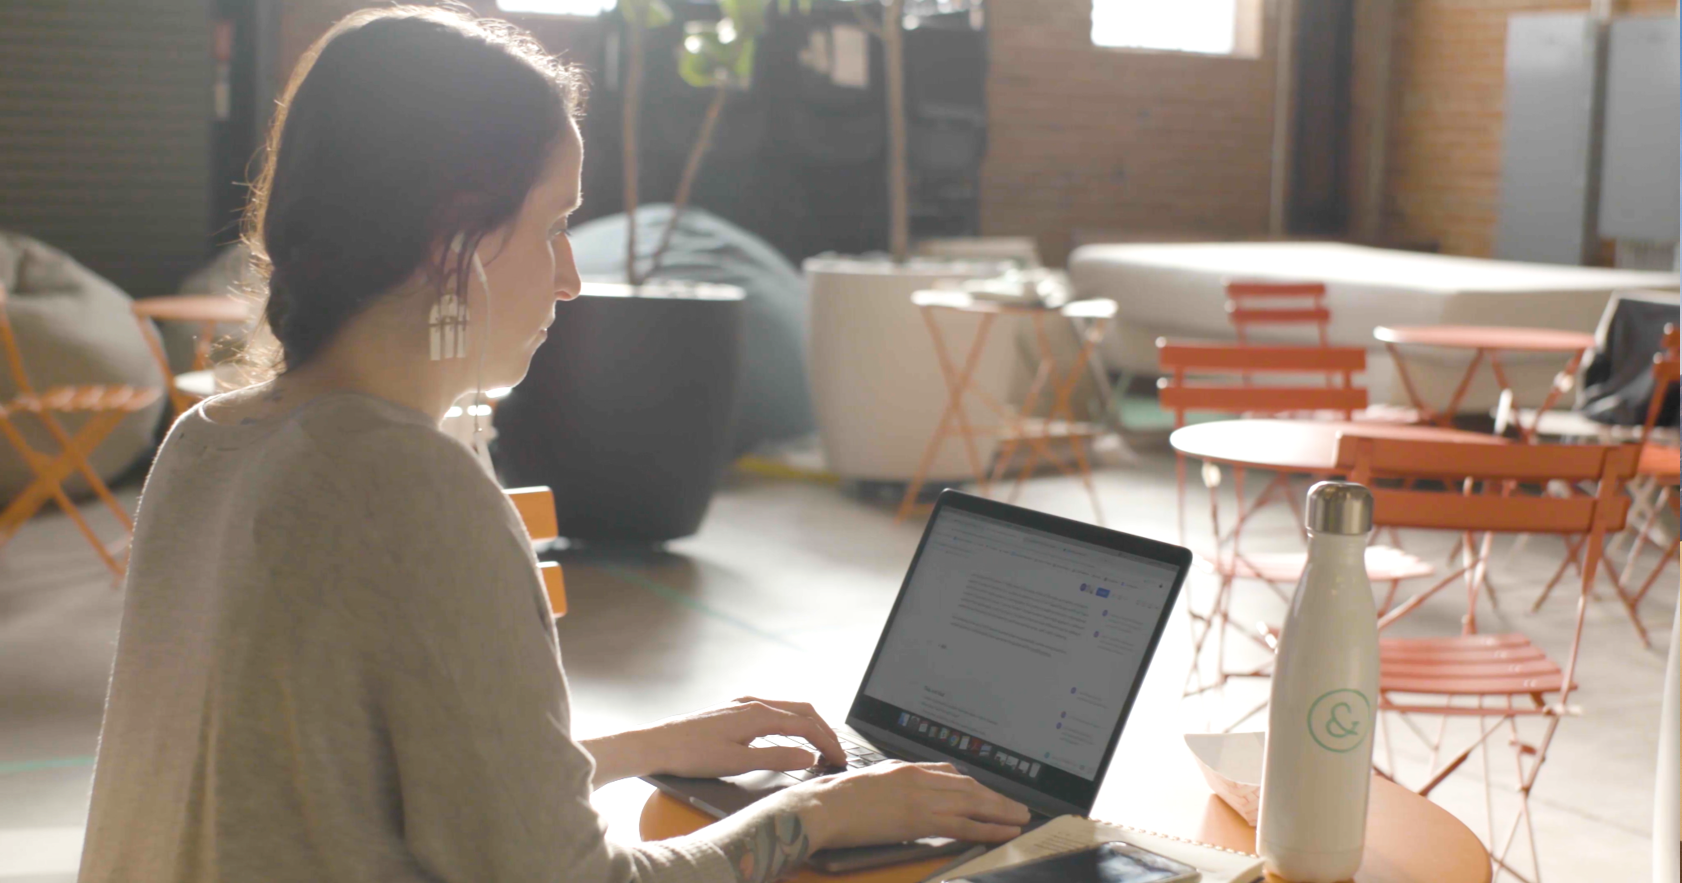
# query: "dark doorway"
1319,196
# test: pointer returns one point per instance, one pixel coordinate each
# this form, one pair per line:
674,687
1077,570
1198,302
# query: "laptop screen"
1018,650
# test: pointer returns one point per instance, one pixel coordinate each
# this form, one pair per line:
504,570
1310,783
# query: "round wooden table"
1487,342
1409,839
1155,784
1299,445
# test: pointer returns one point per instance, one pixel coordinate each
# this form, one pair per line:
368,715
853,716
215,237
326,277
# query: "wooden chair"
1510,678
1258,302
536,506
1201,378
103,407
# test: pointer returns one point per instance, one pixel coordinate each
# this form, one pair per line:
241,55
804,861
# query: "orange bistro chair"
536,506
206,311
1215,377
1509,679
1657,475
1201,377
103,407
1252,302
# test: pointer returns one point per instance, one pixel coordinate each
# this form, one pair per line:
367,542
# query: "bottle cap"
1339,507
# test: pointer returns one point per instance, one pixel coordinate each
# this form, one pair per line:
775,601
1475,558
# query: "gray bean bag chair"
706,248
73,328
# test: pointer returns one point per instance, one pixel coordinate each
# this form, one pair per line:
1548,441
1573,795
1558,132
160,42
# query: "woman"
336,661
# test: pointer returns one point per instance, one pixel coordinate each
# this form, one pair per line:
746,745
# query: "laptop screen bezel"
1078,800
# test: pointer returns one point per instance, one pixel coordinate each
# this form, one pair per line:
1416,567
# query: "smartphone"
1108,863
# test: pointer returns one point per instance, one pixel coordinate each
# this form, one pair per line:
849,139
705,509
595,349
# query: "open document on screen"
1021,638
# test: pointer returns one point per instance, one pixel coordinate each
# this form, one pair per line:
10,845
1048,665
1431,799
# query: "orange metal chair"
206,311
1660,470
1252,303
1658,473
1259,302
1510,678
1200,378
1016,428
104,407
1214,377
536,506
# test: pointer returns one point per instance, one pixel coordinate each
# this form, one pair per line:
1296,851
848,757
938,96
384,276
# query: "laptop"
1014,652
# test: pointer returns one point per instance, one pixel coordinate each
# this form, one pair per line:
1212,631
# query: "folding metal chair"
1251,302
1501,490
1660,470
1657,474
536,506
103,406
1201,378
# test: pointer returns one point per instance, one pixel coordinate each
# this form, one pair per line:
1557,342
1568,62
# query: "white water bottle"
1318,768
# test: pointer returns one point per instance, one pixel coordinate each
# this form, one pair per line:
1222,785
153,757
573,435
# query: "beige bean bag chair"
73,328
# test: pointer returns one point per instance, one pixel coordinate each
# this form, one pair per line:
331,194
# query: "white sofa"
1176,290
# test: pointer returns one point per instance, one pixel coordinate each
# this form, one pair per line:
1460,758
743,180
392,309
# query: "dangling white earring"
447,322
448,327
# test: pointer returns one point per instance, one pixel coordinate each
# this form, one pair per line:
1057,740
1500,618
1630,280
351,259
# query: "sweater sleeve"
469,687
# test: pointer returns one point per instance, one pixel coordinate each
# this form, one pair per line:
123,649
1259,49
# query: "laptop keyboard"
858,755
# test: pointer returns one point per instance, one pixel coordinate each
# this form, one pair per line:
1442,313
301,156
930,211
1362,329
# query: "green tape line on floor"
677,597
51,763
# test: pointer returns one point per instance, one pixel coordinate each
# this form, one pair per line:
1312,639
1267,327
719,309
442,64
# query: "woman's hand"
892,802
714,742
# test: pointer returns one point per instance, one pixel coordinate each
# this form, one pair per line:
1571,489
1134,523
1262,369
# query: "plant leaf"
646,13
697,69
747,15
743,67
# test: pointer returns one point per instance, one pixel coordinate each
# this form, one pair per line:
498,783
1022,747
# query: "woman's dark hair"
401,128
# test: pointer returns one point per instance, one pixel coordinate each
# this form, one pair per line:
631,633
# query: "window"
589,8
1211,27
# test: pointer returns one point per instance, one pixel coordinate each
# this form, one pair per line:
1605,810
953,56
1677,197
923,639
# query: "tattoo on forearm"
768,849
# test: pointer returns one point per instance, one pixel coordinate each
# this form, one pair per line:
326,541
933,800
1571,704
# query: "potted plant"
875,415
628,411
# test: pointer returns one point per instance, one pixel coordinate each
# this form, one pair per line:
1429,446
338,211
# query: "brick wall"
1445,141
1139,144
1131,143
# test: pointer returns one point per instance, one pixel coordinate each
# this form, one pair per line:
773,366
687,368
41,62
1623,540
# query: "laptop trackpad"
760,783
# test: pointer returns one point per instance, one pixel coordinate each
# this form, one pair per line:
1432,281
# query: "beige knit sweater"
336,663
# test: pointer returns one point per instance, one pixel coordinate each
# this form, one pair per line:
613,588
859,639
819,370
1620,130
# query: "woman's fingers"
980,804
813,730
824,738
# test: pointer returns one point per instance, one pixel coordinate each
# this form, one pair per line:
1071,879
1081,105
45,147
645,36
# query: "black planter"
628,411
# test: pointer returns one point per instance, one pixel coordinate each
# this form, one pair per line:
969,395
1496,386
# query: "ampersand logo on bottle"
1339,720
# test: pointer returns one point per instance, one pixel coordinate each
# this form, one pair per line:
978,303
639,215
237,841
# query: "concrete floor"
782,594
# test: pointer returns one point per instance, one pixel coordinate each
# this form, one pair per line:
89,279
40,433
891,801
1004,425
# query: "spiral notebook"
1073,833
